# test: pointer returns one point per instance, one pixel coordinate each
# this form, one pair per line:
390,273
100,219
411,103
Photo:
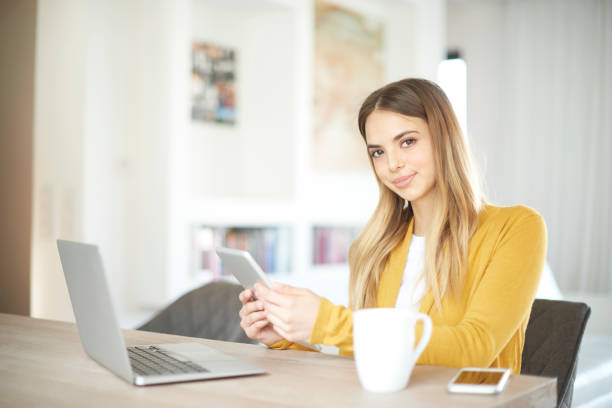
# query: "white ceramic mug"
383,340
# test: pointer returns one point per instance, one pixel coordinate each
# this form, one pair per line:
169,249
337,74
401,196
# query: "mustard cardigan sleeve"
500,302
333,327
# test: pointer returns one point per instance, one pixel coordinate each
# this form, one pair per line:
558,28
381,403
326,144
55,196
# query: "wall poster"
213,93
348,60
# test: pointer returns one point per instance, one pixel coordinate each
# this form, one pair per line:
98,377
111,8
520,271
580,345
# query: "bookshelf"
270,246
330,244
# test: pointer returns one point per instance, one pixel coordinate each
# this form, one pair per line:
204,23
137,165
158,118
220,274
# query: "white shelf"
240,212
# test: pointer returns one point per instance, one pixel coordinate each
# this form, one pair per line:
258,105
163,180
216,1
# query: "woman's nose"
395,162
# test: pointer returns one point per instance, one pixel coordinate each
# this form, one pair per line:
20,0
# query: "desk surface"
42,363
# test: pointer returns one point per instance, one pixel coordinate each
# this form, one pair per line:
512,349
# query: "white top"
407,298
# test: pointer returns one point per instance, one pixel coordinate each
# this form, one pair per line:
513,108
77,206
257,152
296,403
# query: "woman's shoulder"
505,218
493,213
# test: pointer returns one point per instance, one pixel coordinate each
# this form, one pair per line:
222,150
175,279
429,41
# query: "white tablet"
242,265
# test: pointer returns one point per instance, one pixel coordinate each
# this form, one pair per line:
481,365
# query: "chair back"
552,341
210,312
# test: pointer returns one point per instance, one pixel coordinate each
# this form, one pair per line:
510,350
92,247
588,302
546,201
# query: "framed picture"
213,91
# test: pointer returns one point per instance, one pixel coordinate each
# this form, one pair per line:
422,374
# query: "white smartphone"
242,265
475,380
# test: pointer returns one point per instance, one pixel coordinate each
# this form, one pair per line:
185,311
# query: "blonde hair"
458,199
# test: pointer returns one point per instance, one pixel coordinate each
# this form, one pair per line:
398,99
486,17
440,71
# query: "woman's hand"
292,311
253,320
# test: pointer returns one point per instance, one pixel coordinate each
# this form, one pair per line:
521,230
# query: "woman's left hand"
292,311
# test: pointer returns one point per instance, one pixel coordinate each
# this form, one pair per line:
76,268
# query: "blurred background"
161,129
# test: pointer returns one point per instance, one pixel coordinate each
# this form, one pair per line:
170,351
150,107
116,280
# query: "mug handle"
427,327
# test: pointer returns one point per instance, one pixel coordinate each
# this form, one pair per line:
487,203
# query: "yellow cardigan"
485,326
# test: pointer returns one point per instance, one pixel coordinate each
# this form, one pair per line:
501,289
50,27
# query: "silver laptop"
103,341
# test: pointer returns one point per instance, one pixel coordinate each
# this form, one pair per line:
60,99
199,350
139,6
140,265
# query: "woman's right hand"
253,319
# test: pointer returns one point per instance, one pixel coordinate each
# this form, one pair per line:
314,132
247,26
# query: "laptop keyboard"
150,360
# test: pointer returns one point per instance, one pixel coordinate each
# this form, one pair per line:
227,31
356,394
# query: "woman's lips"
403,181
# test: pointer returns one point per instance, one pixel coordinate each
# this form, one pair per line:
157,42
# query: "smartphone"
474,380
242,265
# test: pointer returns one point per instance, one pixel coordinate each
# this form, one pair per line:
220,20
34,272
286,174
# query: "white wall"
148,135
105,163
59,116
484,58
104,116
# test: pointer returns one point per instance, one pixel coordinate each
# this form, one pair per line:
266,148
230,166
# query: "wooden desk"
42,363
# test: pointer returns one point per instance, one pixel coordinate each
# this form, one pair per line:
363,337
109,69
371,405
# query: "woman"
433,244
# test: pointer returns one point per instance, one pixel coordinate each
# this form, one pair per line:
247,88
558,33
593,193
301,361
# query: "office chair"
552,341
210,312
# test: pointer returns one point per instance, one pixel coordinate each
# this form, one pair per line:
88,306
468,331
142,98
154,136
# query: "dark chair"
209,312
552,341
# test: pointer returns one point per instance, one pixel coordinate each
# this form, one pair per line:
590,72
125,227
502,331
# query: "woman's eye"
408,142
376,153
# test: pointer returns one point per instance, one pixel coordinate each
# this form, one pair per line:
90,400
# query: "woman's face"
401,150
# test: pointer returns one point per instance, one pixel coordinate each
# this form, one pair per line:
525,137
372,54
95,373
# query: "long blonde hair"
458,199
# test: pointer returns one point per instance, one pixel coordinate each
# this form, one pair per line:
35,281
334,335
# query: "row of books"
269,246
331,244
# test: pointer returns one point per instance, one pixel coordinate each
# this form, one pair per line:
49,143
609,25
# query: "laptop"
103,341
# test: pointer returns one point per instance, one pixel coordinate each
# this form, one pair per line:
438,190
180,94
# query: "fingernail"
260,305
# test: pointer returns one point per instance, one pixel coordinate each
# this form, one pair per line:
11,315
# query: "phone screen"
479,377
